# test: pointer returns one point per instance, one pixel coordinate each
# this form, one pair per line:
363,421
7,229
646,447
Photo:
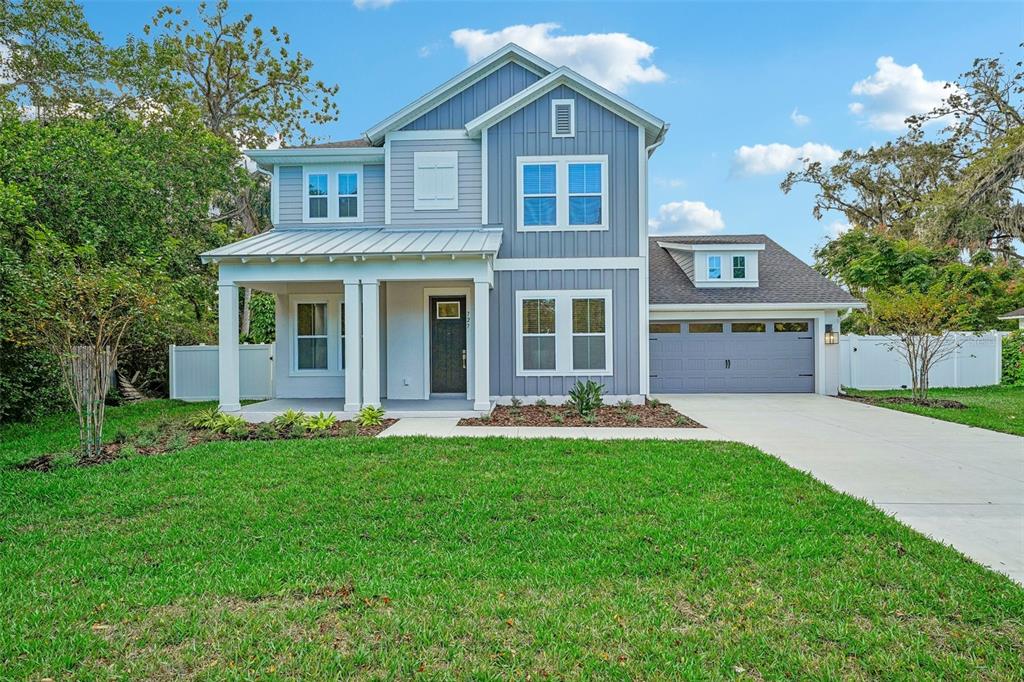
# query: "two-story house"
489,241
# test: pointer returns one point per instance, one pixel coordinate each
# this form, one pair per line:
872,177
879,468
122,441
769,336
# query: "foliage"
585,397
262,322
370,416
204,419
998,408
287,419
320,424
230,424
1013,359
920,322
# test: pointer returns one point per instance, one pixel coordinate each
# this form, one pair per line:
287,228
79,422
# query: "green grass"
999,408
482,558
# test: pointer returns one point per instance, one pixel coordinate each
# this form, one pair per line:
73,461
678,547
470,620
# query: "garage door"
740,356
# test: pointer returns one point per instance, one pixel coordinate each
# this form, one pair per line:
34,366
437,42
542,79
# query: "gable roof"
782,278
563,75
484,67
1017,314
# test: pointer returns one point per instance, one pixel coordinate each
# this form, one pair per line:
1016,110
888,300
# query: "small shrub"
231,424
541,402
297,430
680,420
288,419
558,418
516,401
266,431
1013,359
204,419
585,397
653,402
128,450
590,418
147,436
625,404
349,429
632,418
370,416
320,424
177,441
485,417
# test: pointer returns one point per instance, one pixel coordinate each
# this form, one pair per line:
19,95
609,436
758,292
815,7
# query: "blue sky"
747,87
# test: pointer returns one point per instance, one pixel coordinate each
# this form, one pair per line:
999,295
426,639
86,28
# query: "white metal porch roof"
361,242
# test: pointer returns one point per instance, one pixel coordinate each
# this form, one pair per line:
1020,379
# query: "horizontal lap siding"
478,98
626,337
402,174
527,132
291,196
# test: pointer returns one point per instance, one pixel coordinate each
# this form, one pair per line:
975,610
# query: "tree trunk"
246,314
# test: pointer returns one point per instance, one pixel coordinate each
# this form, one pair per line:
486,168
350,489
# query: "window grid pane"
539,316
348,207
584,178
588,315
540,203
714,267
318,207
318,185
588,352
311,333
539,178
584,194
739,267
348,184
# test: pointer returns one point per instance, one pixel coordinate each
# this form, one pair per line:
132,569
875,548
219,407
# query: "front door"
448,344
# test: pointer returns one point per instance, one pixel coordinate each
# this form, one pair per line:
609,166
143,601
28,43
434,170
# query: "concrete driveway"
958,484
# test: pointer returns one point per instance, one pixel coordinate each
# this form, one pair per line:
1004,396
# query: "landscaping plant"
320,424
370,416
585,397
288,419
1013,359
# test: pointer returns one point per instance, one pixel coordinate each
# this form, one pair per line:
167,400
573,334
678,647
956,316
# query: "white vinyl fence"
194,373
866,362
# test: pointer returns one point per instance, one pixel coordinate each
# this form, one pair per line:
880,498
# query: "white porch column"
227,347
481,346
353,347
371,343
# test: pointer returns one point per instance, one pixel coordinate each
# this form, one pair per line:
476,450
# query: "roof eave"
266,158
814,305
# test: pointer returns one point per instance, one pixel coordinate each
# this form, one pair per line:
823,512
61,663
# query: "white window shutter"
436,181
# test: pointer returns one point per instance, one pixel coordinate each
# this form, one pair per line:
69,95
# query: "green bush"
320,424
205,419
1013,359
288,419
585,397
370,416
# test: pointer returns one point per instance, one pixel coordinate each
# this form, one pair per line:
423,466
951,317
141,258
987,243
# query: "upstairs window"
739,267
562,193
563,118
316,195
540,194
348,195
714,267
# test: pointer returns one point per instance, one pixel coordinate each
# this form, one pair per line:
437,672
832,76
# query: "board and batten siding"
527,132
625,334
290,197
402,185
482,96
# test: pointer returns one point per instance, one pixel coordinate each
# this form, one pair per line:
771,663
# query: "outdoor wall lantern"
831,336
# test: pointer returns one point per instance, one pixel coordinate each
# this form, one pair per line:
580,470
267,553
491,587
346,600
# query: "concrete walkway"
448,427
958,484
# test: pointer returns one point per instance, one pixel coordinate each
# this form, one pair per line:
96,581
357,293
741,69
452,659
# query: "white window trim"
332,172
563,331
333,310
561,192
555,103
424,204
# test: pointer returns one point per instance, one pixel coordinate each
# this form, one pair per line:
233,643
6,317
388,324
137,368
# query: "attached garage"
732,356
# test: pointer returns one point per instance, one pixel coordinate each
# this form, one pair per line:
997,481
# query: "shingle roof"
782,277
337,144
1013,315
374,241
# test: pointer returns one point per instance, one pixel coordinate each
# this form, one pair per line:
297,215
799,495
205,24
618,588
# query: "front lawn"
492,558
999,408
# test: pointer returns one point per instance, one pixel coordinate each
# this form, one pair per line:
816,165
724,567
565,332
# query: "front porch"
406,331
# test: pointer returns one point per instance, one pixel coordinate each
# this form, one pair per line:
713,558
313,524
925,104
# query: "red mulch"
640,416
112,451
901,400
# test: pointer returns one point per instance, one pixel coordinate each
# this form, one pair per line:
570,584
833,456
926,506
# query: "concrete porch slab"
393,409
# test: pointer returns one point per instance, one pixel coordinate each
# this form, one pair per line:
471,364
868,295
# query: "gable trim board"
453,86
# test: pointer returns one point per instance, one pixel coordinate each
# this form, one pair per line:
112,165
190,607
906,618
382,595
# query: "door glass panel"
448,310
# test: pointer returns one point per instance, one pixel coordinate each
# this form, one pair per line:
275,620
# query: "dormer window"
714,267
739,267
563,118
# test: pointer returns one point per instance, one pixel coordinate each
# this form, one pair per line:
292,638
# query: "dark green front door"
448,344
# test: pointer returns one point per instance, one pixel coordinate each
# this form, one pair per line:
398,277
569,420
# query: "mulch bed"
113,450
901,400
649,415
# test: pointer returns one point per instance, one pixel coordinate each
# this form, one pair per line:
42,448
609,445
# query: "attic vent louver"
563,118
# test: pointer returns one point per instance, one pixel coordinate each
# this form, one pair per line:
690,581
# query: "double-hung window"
714,267
540,194
348,195
739,267
563,333
316,195
311,336
562,193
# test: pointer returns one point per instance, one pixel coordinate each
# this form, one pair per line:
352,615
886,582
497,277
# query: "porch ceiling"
361,243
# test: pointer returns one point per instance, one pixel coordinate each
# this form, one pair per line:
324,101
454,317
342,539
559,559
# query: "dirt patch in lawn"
164,438
902,400
648,415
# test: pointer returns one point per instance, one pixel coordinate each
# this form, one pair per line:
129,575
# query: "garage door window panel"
791,327
748,328
706,327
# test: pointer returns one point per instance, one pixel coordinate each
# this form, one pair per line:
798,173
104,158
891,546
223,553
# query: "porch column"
371,343
353,347
481,346
227,347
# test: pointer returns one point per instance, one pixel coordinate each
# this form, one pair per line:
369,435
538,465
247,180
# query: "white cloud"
672,183
766,159
615,60
686,217
429,49
836,228
799,119
372,4
894,92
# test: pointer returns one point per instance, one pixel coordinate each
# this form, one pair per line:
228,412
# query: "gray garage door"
740,356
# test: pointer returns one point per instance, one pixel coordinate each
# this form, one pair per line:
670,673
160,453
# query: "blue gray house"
489,241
